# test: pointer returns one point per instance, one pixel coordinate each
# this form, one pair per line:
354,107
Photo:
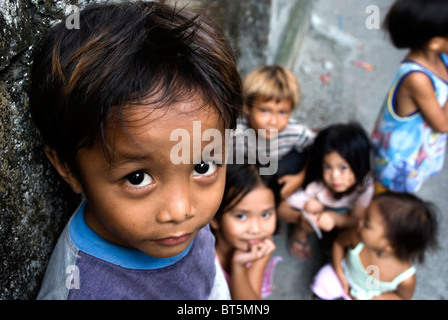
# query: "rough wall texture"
34,203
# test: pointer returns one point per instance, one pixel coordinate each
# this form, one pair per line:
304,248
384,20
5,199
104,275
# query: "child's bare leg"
298,232
299,239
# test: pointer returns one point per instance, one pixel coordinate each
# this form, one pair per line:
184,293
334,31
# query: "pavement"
345,68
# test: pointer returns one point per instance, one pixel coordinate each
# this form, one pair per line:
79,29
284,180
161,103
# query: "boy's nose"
273,120
176,207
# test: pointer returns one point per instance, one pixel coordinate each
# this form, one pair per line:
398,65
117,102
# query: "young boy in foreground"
106,99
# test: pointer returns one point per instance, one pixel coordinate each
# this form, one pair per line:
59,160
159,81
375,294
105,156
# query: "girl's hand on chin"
254,252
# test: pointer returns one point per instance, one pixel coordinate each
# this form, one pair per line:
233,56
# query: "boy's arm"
421,91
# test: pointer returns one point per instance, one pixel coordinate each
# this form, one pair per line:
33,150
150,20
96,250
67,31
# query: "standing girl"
338,187
378,264
243,227
409,138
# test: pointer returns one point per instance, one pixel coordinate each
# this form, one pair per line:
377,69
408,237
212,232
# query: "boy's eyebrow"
120,159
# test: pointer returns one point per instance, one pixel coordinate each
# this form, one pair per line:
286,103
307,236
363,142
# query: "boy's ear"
63,170
246,109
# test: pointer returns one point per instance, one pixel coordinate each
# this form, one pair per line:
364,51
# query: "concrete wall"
34,203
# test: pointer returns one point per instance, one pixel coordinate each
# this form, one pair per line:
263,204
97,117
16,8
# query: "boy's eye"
205,168
139,179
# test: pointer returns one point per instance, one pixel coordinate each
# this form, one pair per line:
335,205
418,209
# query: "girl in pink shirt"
337,190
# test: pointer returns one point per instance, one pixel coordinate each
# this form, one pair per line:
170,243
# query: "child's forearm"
337,255
241,286
291,183
288,214
345,220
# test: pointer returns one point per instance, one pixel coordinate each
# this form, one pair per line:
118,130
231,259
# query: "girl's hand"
313,206
326,221
315,217
254,252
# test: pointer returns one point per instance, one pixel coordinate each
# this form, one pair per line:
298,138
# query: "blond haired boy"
271,93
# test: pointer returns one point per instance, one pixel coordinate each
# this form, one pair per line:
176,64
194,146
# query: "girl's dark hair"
351,142
242,179
124,54
412,23
411,224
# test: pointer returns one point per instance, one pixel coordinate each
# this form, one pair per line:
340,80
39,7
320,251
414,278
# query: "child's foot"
299,242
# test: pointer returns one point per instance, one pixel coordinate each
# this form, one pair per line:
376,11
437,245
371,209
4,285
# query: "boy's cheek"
214,197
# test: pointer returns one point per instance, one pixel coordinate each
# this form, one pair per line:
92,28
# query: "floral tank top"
406,150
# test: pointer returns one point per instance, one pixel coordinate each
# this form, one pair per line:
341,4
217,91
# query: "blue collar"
93,244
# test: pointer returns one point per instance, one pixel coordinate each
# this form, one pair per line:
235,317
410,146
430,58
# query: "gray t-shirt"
86,266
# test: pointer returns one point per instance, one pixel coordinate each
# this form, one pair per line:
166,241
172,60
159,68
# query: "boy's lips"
175,240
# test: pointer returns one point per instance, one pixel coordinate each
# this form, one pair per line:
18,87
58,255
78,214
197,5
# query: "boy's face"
141,199
270,115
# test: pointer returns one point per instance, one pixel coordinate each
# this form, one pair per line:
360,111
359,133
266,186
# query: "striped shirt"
294,136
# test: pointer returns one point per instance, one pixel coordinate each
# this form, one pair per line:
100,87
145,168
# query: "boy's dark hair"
124,54
242,179
351,142
411,224
412,23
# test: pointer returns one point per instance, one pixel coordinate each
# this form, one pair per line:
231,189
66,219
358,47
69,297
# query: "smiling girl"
243,227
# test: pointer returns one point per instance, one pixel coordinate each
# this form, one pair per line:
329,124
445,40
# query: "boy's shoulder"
292,122
294,127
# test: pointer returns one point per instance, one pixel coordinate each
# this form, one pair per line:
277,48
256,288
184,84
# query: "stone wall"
34,203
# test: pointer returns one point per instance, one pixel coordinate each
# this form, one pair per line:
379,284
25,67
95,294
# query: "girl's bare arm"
421,92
